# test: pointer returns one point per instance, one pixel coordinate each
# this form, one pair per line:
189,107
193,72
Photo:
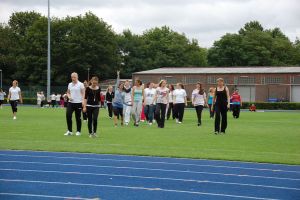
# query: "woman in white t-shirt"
149,94
199,101
171,105
179,101
14,96
161,99
38,99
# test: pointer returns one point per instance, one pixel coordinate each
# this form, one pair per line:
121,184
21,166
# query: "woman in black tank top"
221,105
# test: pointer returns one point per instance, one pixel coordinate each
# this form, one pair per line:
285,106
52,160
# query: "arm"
118,80
213,101
205,99
155,97
228,97
8,97
132,95
69,94
20,96
185,99
82,94
241,101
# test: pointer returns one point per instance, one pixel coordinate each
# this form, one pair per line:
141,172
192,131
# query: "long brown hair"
201,90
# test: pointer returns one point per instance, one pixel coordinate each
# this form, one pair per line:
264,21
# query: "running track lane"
49,175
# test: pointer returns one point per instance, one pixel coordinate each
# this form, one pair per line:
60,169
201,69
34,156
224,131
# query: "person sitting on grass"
252,108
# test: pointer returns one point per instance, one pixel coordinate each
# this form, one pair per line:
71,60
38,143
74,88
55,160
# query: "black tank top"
221,96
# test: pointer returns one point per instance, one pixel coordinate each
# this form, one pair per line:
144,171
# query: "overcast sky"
205,20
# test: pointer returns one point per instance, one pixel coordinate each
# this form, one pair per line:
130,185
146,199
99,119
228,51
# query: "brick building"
258,84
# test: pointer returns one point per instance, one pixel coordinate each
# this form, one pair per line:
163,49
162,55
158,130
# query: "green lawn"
260,137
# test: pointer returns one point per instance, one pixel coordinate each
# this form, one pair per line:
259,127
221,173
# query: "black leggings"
110,109
211,112
171,109
236,111
77,107
14,105
199,112
92,114
221,111
160,114
179,111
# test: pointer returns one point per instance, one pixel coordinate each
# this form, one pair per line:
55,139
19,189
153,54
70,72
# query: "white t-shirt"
14,93
2,94
179,95
162,95
53,97
171,97
149,95
198,99
75,92
39,97
57,97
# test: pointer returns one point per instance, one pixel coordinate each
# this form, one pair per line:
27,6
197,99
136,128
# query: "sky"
204,20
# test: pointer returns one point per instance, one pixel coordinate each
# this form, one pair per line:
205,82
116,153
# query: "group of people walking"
125,102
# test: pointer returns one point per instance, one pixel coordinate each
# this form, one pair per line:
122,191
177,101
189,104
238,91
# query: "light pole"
88,74
48,56
1,78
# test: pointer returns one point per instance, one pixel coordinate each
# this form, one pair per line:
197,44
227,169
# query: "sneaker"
90,135
95,135
223,132
154,121
150,124
216,132
14,117
78,133
126,123
177,121
85,121
68,133
199,124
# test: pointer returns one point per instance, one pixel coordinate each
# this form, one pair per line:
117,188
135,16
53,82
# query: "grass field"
261,137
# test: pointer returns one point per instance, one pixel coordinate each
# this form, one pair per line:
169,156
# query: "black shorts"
1,102
118,111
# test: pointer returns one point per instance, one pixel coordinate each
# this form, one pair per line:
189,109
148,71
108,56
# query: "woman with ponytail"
199,101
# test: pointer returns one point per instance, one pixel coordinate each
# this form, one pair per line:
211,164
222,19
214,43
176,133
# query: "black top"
109,96
92,96
221,97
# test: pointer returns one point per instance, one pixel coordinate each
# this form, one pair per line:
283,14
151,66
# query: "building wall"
266,85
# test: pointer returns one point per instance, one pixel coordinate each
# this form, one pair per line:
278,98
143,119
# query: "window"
172,80
273,80
244,80
296,80
213,80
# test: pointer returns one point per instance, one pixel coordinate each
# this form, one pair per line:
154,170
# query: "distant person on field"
118,101
57,99
53,100
149,94
14,97
236,101
2,95
75,94
66,100
84,114
127,106
109,96
210,102
221,105
137,101
62,101
91,105
170,106
42,99
161,100
102,100
38,99
252,108
199,101
179,101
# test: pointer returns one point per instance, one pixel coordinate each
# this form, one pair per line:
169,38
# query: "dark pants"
221,112
110,109
149,112
92,114
160,114
236,111
199,112
14,105
77,107
179,111
170,109
53,103
211,112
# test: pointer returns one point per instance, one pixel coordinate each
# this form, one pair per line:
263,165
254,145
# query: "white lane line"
152,169
136,188
151,162
153,177
151,157
41,196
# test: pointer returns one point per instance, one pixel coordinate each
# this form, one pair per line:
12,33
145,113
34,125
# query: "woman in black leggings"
221,105
91,105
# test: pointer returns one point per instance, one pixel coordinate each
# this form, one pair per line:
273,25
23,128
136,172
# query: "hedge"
246,105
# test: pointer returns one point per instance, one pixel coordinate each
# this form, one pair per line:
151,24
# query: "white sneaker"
78,133
85,121
68,133
14,117
150,124
154,121
177,121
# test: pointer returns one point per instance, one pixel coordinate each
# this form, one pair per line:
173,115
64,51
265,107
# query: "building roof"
221,70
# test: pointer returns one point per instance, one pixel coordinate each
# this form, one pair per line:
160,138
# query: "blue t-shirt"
210,100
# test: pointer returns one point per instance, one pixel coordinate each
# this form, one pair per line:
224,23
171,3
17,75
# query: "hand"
118,72
186,104
212,108
228,106
84,109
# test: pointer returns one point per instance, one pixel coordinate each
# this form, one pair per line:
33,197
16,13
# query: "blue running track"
49,175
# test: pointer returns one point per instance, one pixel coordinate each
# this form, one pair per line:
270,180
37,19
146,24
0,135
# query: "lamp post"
48,55
88,76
